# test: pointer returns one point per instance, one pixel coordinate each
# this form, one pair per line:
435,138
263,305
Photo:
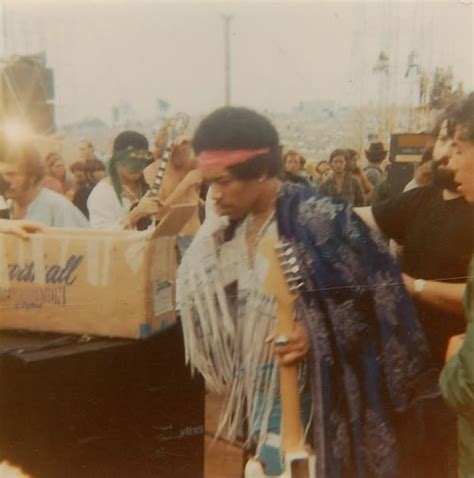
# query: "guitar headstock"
179,124
284,276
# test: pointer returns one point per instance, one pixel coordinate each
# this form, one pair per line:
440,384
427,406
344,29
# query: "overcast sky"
282,53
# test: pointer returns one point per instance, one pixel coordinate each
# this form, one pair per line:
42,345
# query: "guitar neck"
292,428
157,182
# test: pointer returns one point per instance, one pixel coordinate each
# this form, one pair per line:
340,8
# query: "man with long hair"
457,377
23,171
342,184
434,225
110,202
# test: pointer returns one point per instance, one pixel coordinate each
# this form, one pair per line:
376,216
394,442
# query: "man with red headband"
356,337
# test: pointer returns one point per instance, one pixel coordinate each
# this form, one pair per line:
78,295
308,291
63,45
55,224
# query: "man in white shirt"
110,202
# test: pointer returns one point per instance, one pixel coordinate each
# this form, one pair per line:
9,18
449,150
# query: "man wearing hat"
375,156
110,202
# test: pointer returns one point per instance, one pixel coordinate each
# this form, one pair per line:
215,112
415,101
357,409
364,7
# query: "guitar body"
299,460
300,464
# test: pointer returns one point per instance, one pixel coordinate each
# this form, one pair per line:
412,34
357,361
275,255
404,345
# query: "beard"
444,178
19,190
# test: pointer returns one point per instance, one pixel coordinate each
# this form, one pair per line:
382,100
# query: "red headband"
223,158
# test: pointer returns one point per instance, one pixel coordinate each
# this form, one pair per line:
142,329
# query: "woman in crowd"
323,170
55,178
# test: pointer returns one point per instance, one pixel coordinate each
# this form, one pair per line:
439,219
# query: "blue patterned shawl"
369,358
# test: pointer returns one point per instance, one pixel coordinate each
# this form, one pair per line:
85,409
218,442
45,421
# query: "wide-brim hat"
376,150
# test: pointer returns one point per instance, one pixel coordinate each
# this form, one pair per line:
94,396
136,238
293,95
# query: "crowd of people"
341,175
375,329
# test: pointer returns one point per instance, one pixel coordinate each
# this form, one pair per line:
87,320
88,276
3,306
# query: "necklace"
132,196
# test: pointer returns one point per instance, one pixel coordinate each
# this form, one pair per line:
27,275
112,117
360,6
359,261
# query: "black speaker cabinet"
28,91
406,150
72,408
399,175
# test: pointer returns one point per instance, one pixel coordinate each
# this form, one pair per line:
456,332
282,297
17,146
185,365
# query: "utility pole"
227,62
3,8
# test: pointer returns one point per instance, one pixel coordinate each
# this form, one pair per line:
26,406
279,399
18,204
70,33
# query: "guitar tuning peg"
293,278
296,283
294,269
284,253
291,261
296,287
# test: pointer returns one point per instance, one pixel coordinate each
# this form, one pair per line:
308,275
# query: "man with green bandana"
110,202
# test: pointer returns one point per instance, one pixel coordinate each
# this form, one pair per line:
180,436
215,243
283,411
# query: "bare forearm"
441,295
447,297
191,180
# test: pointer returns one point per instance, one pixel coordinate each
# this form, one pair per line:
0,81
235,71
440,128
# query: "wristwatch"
419,284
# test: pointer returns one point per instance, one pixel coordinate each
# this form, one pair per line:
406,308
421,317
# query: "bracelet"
420,285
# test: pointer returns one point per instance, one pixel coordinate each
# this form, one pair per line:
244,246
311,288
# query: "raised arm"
20,228
192,179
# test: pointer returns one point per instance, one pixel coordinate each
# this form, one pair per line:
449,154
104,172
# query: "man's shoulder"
373,167
101,189
422,194
55,200
49,196
327,182
409,207
322,204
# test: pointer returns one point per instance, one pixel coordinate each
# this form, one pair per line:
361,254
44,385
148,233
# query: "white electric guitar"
282,281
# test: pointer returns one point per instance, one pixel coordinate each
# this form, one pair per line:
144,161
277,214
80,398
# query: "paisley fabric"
369,358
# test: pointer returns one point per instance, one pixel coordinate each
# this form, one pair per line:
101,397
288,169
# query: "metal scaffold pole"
227,63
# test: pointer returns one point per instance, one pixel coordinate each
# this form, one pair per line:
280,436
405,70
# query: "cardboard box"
108,283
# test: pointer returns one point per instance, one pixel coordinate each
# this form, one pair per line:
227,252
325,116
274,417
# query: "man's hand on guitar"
296,347
148,206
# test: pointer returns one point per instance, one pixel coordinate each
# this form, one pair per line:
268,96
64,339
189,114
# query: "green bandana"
131,158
